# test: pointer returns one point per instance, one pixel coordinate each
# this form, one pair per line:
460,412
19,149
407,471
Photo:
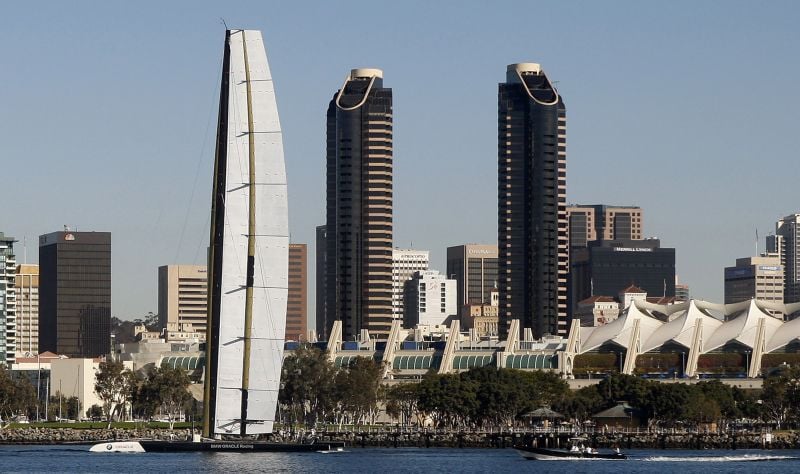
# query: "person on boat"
574,449
616,450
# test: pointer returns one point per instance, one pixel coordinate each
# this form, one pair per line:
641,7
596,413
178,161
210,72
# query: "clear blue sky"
687,109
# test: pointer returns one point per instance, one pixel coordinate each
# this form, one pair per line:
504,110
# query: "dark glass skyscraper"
606,267
75,293
359,205
320,278
532,221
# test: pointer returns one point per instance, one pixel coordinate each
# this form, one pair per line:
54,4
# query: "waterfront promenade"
634,439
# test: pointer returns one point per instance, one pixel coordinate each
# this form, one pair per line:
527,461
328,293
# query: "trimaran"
248,266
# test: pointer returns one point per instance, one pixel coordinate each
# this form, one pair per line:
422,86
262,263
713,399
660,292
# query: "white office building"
405,262
431,299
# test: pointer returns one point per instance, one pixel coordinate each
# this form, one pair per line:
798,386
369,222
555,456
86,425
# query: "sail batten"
250,255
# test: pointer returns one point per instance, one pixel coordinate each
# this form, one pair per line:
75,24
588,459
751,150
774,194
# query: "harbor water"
76,458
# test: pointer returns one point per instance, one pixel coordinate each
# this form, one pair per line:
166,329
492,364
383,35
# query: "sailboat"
248,265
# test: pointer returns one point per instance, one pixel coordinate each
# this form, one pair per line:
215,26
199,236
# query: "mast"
251,241
215,246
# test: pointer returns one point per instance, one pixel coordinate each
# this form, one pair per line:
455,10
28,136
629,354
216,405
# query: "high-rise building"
75,293
607,267
297,302
430,299
532,219
405,263
27,288
786,243
588,222
359,205
754,277
321,301
474,268
183,297
8,299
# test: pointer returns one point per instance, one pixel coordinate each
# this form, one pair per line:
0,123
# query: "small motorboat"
576,451
332,450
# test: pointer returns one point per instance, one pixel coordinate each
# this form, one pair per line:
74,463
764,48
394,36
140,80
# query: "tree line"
313,391
679,404
155,390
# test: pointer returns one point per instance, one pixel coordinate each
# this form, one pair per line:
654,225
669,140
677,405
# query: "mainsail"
248,256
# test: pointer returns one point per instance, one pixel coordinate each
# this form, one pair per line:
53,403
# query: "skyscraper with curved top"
359,205
531,191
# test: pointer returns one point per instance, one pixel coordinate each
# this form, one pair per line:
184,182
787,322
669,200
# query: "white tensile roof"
740,325
620,330
680,330
788,333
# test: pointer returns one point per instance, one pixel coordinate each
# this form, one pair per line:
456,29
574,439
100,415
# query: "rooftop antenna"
222,20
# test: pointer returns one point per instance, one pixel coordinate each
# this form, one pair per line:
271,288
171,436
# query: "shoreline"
389,439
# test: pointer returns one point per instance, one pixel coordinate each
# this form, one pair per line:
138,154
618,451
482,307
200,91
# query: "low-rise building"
483,319
597,310
76,378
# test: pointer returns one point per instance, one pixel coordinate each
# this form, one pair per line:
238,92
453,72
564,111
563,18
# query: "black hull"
237,447
549,454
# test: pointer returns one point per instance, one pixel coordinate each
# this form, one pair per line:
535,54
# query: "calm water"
77,459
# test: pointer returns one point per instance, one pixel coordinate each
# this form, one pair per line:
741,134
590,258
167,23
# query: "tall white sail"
248,259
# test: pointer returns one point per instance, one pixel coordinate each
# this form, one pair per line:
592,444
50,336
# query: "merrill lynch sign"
632,249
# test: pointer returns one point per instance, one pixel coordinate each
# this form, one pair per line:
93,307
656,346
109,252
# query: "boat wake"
739,458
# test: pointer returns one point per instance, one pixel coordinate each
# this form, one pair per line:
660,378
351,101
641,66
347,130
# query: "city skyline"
628,95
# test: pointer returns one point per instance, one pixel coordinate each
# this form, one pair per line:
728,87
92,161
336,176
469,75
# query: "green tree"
114,385
580,404
307,385
619,387
63,407
724,396
666,404
94,411
357,388
448,399
779,394
170,390
17,396
703,409
401,402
